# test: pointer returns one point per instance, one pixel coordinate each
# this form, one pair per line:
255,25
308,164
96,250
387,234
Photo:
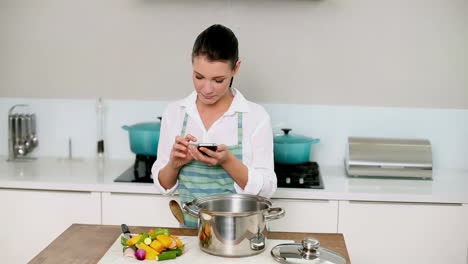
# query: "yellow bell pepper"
132,241
165,240
156,245
150,253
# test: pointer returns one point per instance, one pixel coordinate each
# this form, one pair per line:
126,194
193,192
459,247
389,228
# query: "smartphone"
210,146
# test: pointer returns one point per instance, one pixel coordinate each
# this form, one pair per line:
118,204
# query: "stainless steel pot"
232,225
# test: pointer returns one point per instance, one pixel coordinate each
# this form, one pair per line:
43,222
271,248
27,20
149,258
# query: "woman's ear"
236,67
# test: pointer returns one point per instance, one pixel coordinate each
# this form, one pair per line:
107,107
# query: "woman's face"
212,78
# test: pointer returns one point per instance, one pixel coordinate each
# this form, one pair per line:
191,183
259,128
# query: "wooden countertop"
88,243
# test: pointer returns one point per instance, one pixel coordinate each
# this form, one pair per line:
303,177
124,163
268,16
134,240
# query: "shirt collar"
239,103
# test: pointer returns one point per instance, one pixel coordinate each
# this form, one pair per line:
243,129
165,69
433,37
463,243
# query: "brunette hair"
217,43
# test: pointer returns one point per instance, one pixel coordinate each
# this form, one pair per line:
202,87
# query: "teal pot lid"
288,138
144,126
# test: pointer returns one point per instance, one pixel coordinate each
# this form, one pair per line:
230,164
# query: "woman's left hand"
212,158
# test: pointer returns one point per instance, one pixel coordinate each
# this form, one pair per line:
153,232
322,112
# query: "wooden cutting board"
192,255
86,244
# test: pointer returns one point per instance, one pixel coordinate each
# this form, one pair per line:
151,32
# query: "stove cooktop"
306,175
139,172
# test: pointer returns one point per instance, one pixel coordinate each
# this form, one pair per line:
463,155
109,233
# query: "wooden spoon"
177,211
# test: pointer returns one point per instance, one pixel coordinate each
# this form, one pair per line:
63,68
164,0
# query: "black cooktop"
140,171
306,175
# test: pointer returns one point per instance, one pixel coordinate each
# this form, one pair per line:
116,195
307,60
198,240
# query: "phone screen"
210,146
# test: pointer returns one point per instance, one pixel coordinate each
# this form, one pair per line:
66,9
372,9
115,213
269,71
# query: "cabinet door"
388,233
315,216
32,219
137,209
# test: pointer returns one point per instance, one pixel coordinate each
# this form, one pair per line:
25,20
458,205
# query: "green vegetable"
147,240
143,237
159,231
167,255
178,251
124,248
123,241
127,246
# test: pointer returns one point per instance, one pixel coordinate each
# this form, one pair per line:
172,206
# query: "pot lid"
309,251
288,138
145,126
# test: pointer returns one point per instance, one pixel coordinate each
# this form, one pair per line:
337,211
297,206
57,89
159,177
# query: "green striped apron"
198,179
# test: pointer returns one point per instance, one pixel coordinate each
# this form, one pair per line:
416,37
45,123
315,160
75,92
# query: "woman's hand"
180,154
221,155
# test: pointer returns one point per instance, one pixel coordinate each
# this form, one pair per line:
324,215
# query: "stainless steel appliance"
232,225
389,157
22,136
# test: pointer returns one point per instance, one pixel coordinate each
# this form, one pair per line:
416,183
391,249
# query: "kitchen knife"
125,231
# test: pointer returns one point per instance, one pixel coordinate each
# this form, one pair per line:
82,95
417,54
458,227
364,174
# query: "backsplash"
61,119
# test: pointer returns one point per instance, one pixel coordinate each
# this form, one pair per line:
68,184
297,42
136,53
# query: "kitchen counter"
88,243
91,175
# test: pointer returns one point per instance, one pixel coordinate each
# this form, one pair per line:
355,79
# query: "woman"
215,113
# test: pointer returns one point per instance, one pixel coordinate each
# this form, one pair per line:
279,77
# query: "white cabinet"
153,210
137,209
315,216
30,219
416,233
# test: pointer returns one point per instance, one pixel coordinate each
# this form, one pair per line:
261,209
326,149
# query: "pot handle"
126,128
274,213
191,209
286,130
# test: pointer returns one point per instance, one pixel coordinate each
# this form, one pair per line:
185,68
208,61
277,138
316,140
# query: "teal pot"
293,148
144,138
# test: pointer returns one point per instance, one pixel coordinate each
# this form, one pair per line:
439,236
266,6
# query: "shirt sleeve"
261,175
166,139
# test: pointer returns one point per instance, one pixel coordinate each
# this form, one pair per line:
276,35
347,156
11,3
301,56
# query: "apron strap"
184,125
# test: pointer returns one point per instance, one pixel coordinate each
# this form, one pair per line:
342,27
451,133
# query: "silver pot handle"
191,209
274,213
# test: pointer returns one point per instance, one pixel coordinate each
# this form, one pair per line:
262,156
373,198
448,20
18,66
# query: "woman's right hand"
179,153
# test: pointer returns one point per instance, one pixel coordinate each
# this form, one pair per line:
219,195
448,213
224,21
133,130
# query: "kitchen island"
88,243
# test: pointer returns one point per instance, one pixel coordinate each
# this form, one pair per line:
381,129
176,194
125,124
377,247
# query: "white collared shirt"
257,140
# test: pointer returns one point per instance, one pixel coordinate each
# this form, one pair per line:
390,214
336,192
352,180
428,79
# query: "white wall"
332,52
58,119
